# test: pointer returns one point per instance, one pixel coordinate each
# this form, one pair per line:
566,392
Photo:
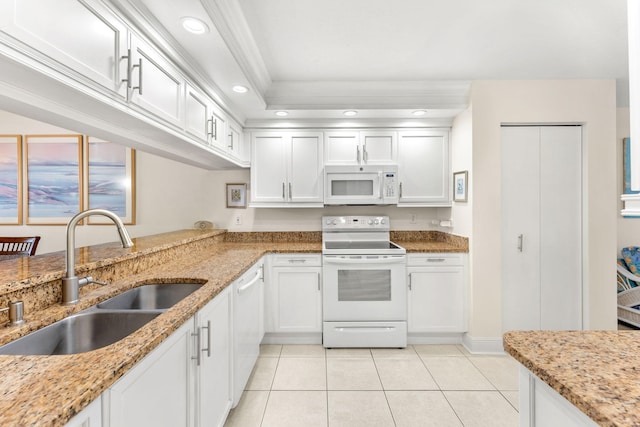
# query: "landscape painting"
110,177
53,178
10,180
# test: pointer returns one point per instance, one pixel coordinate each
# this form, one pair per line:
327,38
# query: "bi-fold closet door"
541,227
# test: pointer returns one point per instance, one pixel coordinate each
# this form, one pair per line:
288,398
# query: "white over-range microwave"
361,184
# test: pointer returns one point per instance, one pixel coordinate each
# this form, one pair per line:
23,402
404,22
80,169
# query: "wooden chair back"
20,246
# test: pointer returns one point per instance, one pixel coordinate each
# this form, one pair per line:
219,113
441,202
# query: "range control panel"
355,223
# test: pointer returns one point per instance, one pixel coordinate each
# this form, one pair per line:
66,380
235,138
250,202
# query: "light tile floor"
422,385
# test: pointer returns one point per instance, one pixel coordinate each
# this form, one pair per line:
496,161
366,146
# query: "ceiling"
385,58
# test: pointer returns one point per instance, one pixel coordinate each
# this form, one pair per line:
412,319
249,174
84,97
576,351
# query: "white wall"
461,160
628,228
170,196
591,103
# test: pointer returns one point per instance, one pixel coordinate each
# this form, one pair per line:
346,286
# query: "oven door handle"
364,260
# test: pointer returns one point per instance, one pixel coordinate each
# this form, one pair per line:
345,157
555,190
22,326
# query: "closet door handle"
520,242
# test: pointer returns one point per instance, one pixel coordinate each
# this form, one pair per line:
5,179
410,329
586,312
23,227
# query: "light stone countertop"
50,390
597,371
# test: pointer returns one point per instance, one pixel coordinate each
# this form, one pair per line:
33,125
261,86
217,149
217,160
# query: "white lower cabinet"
294,294
157,391
212,371
437,296
185,381
91,416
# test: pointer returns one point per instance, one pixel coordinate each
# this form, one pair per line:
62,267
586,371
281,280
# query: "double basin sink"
103,324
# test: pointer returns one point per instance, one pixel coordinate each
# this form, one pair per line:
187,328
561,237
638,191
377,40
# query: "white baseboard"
485,345
292,338
426,338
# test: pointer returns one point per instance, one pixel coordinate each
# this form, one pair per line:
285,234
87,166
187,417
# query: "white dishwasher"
247,330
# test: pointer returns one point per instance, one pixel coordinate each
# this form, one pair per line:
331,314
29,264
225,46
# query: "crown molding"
369,123
232,25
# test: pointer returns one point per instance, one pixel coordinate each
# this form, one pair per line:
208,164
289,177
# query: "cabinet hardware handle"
520,242
318,281
365,154
139,67
283,190
198,346
436,260
290,191
208,328
128,57
300,260
400,195
210,127
358,153
214,127
230,146
410,280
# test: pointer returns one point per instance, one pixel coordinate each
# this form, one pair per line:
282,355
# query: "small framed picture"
460,186
236,195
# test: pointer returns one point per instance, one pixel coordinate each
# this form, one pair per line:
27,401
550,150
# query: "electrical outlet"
237,220
413,219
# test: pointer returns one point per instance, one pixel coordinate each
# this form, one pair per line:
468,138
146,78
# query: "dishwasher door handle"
252,282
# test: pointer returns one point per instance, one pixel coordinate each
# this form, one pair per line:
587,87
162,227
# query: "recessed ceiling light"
282,113
240,89
419,112
350,113
194,25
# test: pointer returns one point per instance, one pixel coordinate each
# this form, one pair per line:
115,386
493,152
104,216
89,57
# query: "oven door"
364,288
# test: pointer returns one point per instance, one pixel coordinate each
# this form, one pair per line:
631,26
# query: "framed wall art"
10,179
460,186
53,178
236,195
110,171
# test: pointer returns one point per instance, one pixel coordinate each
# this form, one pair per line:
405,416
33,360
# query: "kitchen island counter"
598,372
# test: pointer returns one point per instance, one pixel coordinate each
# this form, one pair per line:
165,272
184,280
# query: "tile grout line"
264,411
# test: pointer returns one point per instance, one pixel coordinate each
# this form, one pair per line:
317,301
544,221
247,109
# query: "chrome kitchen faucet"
71,284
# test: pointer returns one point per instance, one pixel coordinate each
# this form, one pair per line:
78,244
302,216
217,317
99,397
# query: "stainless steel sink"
150,297
79,333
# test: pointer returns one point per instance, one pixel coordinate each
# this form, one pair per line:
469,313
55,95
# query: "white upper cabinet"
197,112
360,148
218,128
82,35
286,169
423,168
235,142
155,84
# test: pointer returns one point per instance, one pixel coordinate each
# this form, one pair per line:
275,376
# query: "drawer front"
434,259
296,260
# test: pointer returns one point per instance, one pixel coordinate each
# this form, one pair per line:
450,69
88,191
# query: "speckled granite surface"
50,390
597,371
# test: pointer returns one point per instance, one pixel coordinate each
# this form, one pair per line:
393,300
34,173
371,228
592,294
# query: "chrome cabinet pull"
210,127
283,190
365,154
290,191
436,260
520,242
295,260
208,328
400,191
410,281
128,57
318,281
214,127
198,346
230,146
139,67
358,153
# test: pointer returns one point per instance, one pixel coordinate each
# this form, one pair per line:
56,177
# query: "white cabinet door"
91,416
268,168
296,302
286,168
542,227
156,392
234,140
378,147
218,128
305,168
359,148
423,168
197,114
81,35
436,299
213,400
155,84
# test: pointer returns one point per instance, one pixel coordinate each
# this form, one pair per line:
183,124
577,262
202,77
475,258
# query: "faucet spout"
71,284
